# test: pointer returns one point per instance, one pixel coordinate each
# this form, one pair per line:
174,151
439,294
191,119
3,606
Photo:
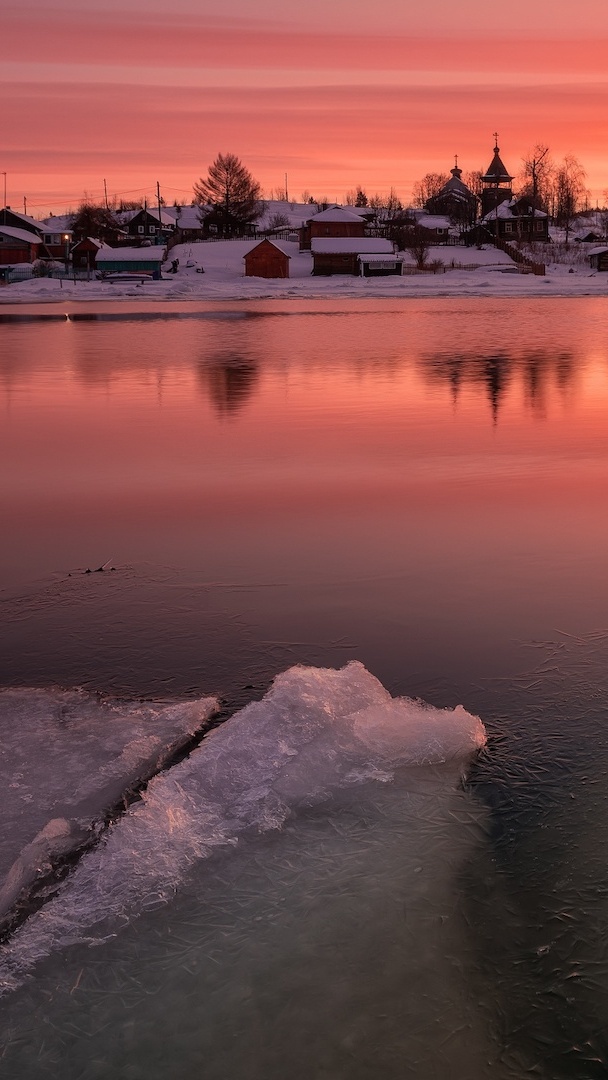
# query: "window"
152,229
508,226
140,229
539,225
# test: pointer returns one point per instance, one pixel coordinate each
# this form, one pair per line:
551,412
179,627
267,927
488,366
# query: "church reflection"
499,373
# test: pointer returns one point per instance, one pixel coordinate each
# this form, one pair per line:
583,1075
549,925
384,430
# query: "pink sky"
333,94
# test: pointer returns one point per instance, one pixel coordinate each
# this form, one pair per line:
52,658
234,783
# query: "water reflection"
499,374
228,381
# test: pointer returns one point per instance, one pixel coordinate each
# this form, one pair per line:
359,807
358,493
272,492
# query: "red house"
334,222
267,259
20,246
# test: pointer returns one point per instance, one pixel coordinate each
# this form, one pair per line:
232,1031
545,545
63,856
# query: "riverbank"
214,271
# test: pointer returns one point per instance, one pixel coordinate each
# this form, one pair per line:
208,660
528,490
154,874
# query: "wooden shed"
268,260
599,258
146,261
85,252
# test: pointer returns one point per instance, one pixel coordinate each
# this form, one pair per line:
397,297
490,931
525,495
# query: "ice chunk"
314,734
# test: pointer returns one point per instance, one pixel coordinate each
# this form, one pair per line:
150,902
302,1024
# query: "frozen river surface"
416,486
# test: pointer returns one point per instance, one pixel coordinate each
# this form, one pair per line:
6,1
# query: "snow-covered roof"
131,254
90,240
456,187
58,223
165,217
38,225
506,209
336,213
350,245
432,221
597,250
189,217
20,234
275,243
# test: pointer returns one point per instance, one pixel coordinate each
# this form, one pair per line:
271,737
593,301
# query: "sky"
331,94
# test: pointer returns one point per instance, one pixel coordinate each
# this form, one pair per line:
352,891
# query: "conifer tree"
231,191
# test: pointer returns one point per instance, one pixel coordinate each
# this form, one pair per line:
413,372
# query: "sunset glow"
136,93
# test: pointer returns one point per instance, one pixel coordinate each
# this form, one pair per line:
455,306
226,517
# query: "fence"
513,252
9,275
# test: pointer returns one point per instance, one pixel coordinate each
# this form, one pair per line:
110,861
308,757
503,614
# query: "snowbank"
223,279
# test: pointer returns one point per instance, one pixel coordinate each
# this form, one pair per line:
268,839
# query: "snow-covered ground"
224,279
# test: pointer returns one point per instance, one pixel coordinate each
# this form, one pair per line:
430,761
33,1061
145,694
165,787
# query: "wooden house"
189,223
20,246
436,228
589,236
333,222
344,255
84,253
517,219
21,221
268,259
58,243
147,225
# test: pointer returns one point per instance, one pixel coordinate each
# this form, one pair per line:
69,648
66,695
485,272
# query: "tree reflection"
501,372
229,381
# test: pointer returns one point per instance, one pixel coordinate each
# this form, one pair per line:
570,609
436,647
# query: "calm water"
420,486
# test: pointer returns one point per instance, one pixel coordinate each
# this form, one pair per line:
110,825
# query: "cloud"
334,136
188,41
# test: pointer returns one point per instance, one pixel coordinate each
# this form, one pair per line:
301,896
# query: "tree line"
233,201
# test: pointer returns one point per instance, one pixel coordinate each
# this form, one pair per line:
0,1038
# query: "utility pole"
4,210
286,194
105,191
158,199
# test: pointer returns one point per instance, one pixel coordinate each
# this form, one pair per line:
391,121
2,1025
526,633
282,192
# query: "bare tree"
537,175
278,221
388,207
430,185
569,192
232,192
474,182
95,220
356,197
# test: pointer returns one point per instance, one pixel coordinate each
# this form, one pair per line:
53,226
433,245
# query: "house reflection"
229,381
498,373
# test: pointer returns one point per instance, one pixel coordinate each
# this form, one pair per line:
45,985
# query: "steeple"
497,182
496,174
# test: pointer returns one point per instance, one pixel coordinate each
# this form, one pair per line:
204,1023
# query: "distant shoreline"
434,287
